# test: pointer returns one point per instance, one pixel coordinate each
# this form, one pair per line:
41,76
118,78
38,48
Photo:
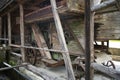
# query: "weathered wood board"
75,5
110,28
45,74
40,41
78,29
54,38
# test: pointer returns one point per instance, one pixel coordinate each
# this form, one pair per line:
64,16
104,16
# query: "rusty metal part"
109,64
31,55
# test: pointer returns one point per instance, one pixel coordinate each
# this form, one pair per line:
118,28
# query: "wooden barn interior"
59,39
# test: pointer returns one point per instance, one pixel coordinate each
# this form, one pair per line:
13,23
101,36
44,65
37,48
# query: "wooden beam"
70,73
22,30
103,5
9,28
75,37
109,71
89,39
40,41
11,67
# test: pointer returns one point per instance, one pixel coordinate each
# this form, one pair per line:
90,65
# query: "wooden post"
22,31
0,27
89,39
61,37
9,28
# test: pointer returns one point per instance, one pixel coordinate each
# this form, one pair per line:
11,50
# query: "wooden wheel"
109,64
31,56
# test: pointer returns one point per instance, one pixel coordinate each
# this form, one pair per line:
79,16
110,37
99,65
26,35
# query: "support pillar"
22,31
9,29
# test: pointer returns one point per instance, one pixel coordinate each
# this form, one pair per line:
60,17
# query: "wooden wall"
110,28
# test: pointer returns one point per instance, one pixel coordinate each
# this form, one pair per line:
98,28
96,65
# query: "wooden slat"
40,41
70,73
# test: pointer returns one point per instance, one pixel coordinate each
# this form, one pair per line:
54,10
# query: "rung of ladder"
11,67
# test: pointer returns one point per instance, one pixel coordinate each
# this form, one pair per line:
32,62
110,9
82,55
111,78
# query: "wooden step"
52,63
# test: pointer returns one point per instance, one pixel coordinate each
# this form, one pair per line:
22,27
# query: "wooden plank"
116,57
103,5
44,73
109,71
22,31
40,41
30,74
70,73
75,37
11,67
9,28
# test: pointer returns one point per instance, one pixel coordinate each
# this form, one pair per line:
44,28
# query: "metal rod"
11,67
44,49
